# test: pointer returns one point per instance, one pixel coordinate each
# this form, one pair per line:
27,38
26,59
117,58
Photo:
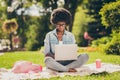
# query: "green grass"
8,59
115,59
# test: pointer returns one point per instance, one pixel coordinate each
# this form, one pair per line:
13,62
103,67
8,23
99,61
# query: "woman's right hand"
49,55
72,70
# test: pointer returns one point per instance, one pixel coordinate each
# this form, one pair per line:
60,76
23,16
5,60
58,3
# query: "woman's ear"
67,28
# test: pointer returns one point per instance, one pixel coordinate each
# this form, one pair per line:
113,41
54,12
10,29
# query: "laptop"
66,52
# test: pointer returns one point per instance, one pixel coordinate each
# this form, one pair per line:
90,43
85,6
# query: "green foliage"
49,4
79,26
31,35
2,18
111,18
2,12
111,15
3,34
95,28
28,3
44,27
113,47
36,32
101,41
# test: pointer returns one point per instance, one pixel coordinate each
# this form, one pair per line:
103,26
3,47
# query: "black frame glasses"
58,25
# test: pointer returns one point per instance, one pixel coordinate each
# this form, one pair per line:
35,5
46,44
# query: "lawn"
9,58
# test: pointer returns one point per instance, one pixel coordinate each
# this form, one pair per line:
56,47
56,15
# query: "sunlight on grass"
95,53
8,59
104,58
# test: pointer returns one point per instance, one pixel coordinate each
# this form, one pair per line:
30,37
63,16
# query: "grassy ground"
8,59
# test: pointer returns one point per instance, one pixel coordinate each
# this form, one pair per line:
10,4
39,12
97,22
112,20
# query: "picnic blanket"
88,69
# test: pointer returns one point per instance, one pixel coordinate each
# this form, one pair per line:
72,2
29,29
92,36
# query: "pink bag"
26,67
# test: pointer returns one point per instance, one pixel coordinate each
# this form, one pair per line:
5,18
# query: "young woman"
61,18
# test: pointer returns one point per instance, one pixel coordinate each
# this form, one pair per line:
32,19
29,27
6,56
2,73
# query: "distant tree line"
32,29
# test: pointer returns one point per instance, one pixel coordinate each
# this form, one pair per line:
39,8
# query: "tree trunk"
10,37
71,5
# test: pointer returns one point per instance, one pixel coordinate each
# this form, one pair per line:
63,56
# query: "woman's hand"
49,55
72,70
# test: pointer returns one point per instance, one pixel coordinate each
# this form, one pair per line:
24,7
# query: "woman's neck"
59,35
60,32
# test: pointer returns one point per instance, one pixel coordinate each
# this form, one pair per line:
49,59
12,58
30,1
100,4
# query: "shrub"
103,40
111,18
111,15
113,47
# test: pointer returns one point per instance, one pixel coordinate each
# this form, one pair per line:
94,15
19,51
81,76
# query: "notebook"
66,52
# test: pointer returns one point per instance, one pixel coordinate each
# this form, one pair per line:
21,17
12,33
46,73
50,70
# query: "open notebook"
66,52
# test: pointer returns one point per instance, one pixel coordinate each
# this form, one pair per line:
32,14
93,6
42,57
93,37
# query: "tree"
44,25
51,4
79,26
72,5
12,7
2,18
95,28
10,26
110,16
38,28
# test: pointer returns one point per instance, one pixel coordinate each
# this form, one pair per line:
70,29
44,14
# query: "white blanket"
87,69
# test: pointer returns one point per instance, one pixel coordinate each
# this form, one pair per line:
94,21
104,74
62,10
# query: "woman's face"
60,26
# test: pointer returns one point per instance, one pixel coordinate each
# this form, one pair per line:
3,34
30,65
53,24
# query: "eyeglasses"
58,25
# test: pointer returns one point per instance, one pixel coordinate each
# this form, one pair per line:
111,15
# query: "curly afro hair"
61,14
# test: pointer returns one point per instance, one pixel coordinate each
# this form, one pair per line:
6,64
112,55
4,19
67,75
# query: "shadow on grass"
100,74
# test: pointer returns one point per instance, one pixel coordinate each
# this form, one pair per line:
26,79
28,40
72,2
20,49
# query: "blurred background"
24,23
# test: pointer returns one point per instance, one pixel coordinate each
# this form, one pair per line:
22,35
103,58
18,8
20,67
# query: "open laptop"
66,52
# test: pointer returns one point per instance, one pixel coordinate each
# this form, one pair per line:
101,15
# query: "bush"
101,41
111,15
111,18
114,46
